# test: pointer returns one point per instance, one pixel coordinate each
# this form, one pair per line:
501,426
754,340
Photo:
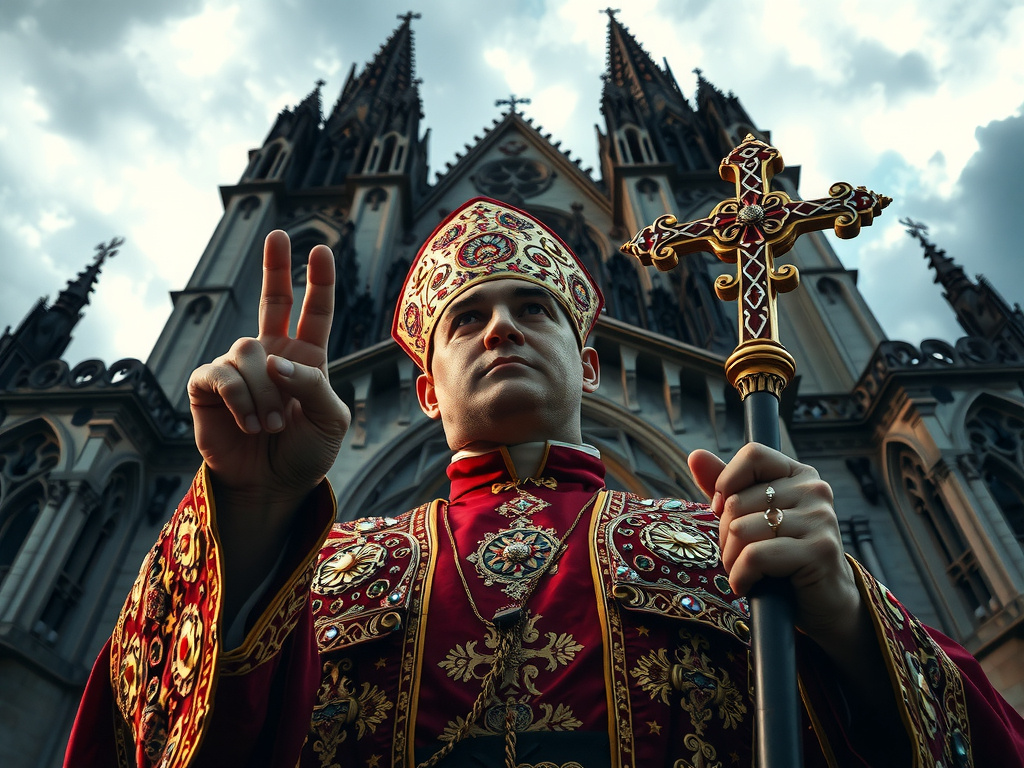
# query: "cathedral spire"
390,74
45,332
632,68
723,119
374,125
648,119
980,309
705,87
75,296
313,103
948,273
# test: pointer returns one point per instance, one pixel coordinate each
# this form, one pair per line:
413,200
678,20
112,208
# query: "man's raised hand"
267,422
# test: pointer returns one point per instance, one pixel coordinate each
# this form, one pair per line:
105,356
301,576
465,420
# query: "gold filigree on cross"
752,230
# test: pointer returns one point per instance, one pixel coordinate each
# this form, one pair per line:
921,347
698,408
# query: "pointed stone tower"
652,136
351,181
45,332
980,309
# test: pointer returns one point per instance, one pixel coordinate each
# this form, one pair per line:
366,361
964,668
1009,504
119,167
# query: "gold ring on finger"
773,515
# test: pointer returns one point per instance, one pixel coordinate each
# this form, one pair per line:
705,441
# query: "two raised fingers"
314,326
240,380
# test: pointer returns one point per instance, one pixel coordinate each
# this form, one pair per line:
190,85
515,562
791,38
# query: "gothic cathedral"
923,445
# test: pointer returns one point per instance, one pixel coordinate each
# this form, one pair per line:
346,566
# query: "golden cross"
752,230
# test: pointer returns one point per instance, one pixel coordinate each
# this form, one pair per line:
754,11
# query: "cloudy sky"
122,117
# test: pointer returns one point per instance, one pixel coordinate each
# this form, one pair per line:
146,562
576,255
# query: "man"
531,619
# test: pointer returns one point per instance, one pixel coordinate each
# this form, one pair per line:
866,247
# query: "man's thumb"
706,467
308,384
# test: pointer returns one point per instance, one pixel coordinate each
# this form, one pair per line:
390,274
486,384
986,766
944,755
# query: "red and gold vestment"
371,647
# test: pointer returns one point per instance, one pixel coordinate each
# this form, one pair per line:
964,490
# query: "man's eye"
533,308
465,319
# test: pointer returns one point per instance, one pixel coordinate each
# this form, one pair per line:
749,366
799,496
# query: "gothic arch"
404,473
983,400
271,159
937,539
639,457
410,469
197,309
248,206
633,145
304,236
387,154
624,293
107,520
648,187
28,453
831,289
994,430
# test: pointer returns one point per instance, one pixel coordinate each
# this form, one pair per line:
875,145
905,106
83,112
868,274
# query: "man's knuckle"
246,346
232,386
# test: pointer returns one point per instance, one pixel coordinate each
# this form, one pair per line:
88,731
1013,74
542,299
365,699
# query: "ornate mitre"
489,240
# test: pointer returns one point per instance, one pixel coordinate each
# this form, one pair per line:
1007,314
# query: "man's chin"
508,398
511,411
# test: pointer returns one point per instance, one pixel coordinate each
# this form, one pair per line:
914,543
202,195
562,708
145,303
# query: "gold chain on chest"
508,622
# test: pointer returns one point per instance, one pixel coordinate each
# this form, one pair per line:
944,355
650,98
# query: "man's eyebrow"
460,305
520,292
533,291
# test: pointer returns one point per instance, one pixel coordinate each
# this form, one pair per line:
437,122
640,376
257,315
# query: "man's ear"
427,397
591,369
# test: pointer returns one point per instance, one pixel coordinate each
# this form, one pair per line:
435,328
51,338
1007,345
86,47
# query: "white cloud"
205,42
514,67
54,220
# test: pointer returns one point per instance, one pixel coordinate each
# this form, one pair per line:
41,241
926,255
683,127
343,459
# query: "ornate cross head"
751,230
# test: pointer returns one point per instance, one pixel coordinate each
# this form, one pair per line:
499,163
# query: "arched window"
27,454
633,140
71,579
1005,489
263,170
198,309
956,556
997,439
830,289
387,154
648,188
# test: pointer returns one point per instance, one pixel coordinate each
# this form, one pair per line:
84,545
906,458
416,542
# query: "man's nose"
502,327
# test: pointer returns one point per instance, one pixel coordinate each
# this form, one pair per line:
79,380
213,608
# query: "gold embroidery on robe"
337,707
465,663
704,690
704,755
552,717
652,673
373,709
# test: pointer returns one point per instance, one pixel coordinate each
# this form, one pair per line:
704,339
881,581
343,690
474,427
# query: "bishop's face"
506,368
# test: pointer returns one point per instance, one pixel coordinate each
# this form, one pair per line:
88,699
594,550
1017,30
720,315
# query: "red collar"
568,466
